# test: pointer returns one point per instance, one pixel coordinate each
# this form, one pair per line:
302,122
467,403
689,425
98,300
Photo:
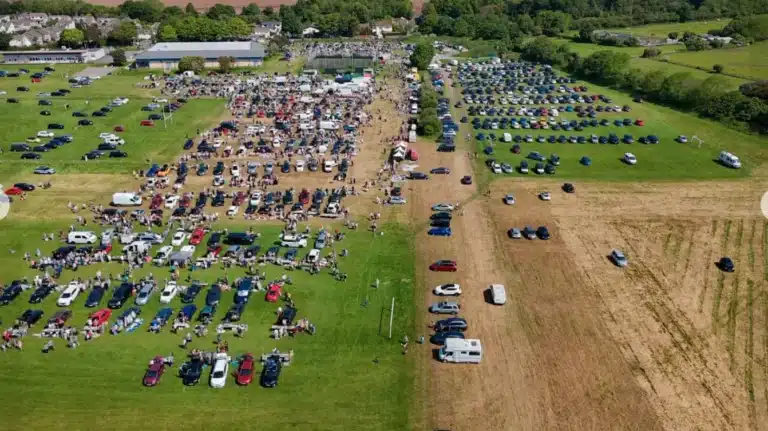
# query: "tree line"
506,19
709,98
340,17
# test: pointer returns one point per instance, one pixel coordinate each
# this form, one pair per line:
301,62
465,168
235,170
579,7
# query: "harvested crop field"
682,342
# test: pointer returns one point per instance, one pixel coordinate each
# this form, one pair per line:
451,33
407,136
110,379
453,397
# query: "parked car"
440,231
618,257
509,199
451,289
444,266
542,232
219,371
726,264
271,371
245,370
451,324
69,294
439,337
545,196
154,372
444,307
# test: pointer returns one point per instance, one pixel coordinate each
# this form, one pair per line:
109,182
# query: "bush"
118,57
422,55
718,68
195,64
225,64
651,52
673,35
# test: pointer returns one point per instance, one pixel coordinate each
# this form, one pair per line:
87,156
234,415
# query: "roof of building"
271,24
174,50
46,51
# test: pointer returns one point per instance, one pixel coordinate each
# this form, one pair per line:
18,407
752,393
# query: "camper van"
498,294
730,160
80,237
137,247
126,199
461,351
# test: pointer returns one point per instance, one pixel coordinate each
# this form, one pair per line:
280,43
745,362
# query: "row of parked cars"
548,123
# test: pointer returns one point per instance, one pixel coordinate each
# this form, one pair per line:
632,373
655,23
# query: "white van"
293,241
126,199
507,137
82,237
300,165
730,160
328,166
461,351
498,294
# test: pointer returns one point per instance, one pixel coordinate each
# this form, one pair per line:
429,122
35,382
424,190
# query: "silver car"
146,291
618,257
444,307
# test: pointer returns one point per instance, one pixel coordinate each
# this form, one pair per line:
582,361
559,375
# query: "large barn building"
166,55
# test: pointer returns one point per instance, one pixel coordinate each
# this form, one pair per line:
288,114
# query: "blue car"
440,231
94,298
271,371
213,296
586,161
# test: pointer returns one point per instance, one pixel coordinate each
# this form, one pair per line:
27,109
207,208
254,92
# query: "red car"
14,191
239,199
245,371
119,129
100,317
186,201
197,236
154,372
157,202
273,293
149,123
444,266
639,123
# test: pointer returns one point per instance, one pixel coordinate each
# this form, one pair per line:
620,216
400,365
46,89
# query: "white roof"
197,46
462,344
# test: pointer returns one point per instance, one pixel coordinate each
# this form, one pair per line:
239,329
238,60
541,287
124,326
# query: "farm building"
53,56
166,55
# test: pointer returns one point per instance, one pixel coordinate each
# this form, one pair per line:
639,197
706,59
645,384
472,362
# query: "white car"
218,180
630,159
219,371
105,135
162,255
69,294
3,93
178,238
397,200
509,199
45,134
442,207
232,211
172,201
255,199
682,139
300,165
451,289
188,249
496,168
545,196
235,170
169,292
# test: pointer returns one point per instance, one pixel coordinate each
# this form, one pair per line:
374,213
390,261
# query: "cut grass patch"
750,62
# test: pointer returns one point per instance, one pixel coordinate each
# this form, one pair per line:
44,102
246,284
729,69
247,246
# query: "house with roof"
261,33
383,26
310,31
24,25
7,27
41,18
20,41
274,26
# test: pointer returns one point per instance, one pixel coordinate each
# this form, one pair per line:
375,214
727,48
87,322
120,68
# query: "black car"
440,337
41,293
64,251
191,293
79,114
214,240
218,200
95,154
235,312
25,186
22,88
191,371
155,117
542,232
44,102
30,317
85,122
726,264
45,113
10,293
147,108
239,238
55,126
441,222
118,154
441,216
106,109
106,147
94,298
271,371
418,176
98,114
568,188
31,156
120,296
13,100
42,148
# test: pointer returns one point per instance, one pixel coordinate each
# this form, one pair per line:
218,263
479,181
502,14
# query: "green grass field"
667,160
662,30
155,143
334,383
749,61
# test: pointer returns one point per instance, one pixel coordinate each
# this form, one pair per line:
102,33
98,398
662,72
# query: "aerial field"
348,375
749,61
662,30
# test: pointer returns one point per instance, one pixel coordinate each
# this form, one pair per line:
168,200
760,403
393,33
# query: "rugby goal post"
698,140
